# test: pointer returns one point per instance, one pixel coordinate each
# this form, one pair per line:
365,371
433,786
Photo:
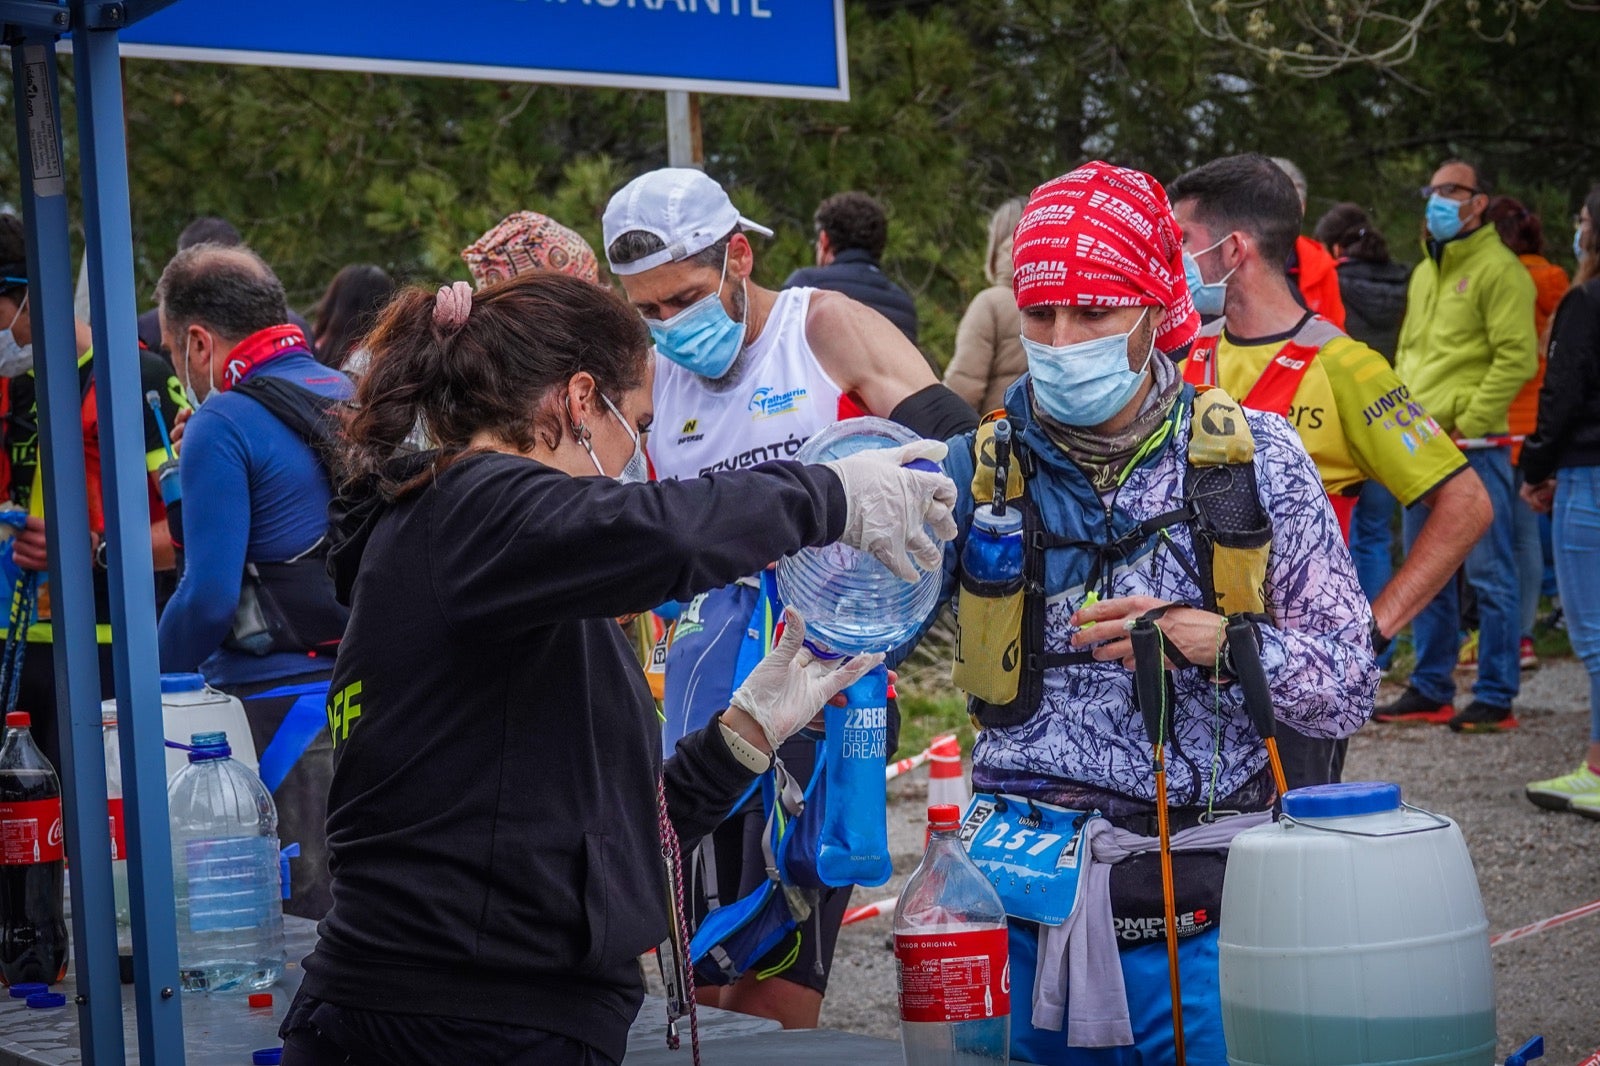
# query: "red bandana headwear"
1104,236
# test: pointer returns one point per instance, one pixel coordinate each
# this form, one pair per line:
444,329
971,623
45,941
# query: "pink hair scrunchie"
451,307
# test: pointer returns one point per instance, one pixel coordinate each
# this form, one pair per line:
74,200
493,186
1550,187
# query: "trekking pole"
1150,688
1245,653
153,398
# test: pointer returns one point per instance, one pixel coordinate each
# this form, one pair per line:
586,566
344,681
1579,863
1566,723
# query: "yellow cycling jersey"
1352,412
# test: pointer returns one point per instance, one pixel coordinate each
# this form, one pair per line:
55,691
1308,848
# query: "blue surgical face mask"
1087,383
702,338
1443,217
1577,244
635,469
15,358
1209,297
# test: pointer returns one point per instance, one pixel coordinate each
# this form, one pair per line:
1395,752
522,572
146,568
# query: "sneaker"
1414,708
1480,717
1588,806
1560,793
1468,659
1529,659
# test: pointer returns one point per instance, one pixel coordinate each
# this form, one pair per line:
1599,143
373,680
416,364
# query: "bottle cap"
24,989
46,1000
1342,800
19,720
183,683
944,816
209,745
260,999
267,1056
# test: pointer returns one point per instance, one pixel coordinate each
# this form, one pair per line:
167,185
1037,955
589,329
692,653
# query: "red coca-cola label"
953,977
119,836
30,832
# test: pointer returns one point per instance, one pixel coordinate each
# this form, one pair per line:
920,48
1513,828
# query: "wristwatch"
1380,643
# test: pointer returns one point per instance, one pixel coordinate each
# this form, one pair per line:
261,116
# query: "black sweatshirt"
492,819
1568,429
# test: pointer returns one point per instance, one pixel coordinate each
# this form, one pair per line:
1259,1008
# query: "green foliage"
955,108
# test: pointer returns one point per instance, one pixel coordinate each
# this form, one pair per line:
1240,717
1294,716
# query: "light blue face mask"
636,469
702,338
1443,217
1209,297
1087,383
15,358
1577,244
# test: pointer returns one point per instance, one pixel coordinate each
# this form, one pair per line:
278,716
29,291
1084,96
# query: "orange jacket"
1318,279
1550,283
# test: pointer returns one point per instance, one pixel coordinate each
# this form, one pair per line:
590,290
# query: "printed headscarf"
1104,236
527,241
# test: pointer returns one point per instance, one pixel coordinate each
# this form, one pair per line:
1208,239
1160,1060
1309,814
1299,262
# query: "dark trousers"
317,1033
1310,760
302,794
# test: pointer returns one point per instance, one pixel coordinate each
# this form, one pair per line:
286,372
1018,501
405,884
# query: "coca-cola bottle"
33,927
951,956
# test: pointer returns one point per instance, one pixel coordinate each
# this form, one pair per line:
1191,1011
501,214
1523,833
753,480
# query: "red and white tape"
911,762
1535,928
871,910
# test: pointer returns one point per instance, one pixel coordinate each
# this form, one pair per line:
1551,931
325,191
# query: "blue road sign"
788,48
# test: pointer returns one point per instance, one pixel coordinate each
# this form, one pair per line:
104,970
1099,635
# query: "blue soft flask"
854,848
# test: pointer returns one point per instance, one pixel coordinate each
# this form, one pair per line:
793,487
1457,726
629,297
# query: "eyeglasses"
1449,190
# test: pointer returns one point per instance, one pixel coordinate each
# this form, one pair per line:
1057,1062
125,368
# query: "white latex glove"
789,686
889,505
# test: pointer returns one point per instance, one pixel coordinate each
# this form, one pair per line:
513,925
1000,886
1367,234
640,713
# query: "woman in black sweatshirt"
496,850
1561,472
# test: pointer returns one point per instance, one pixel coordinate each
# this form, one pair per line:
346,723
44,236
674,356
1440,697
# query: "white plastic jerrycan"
1353,934
189,706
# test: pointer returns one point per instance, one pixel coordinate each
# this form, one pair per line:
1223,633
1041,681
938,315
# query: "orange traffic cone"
947,781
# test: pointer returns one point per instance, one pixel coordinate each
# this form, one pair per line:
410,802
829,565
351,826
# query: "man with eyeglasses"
1466,347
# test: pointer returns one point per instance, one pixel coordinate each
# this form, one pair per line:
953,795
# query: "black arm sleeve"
936,413
1568,382
702,778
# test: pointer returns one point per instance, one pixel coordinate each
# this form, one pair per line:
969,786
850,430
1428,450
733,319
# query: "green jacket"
1468,342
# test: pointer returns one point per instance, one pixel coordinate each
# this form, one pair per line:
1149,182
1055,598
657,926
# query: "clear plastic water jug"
225,873
1352,934
189,706
851,602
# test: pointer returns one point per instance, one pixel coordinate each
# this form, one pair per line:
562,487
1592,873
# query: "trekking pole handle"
1245,654
1149,677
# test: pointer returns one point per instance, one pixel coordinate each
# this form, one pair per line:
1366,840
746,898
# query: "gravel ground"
1531,864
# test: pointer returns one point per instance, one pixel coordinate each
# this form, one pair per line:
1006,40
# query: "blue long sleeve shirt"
253,492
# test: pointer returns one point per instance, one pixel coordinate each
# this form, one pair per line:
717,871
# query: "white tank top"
780,398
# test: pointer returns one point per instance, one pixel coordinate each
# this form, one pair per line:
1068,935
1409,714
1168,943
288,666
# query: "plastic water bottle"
225,873
119,837
33,927
951,956
852,603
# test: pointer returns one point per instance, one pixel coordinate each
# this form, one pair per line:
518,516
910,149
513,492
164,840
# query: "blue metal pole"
43,186
126,496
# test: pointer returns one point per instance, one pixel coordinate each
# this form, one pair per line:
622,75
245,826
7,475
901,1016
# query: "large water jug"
851,602
189,706
225,873
1353,933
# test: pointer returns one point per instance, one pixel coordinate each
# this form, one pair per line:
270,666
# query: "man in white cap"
746,374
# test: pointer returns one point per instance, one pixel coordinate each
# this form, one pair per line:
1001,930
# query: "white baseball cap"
686,209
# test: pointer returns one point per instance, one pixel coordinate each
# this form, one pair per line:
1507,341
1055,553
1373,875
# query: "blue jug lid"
267,1056
1342,800
182,682
42,1000
24,989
